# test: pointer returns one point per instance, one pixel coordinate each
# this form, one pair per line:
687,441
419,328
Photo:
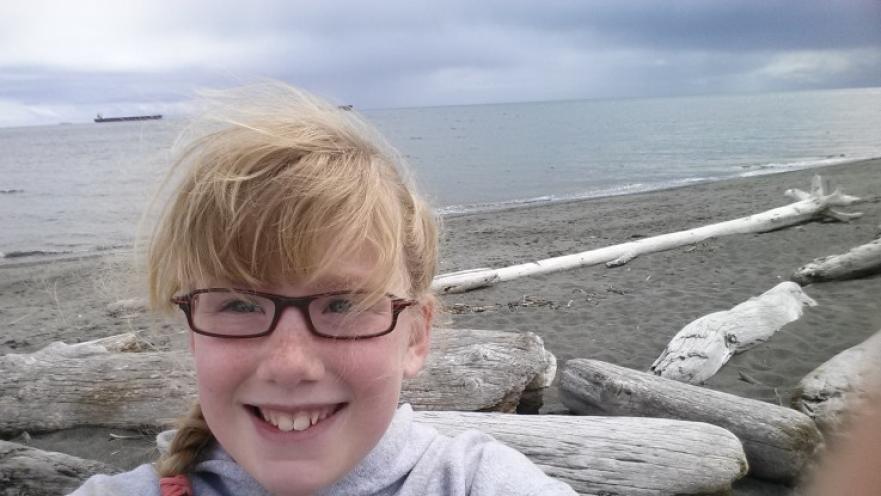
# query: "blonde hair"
282,189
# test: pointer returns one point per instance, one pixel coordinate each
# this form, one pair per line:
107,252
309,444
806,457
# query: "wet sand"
625,315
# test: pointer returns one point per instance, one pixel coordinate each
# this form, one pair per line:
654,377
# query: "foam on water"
775,167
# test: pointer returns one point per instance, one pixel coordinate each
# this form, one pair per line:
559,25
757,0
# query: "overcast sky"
67,60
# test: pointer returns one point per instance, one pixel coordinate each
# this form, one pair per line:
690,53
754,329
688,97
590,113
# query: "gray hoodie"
410,460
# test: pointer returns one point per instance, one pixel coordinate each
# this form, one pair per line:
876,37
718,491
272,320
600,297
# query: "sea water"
82,187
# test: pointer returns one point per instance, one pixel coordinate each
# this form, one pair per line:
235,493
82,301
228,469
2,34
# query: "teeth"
300,421
286,424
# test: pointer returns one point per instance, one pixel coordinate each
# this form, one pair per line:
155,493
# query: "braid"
191,437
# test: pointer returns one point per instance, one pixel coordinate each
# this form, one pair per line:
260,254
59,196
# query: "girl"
302,260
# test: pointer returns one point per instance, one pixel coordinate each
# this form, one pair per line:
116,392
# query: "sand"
624,315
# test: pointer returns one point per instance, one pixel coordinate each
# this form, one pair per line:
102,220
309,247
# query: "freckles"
217,367
377,368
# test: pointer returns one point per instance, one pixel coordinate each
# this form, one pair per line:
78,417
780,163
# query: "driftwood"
809,206
33,472
480,370
831,392
63,386
778,441
607,455
603,455
860,261
594,455
852,468
702,347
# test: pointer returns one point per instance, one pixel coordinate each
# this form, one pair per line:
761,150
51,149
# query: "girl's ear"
420,339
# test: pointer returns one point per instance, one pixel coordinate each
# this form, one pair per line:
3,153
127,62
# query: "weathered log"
841,385
465,280
860,261
852,467
473,370
607,455
34,472
703,346
63,386
778,441
809,206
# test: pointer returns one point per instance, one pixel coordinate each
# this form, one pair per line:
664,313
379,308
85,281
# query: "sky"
68,60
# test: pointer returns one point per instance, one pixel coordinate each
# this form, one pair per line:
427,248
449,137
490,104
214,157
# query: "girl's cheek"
218,364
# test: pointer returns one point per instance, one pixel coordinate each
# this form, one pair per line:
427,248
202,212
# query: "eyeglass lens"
231,313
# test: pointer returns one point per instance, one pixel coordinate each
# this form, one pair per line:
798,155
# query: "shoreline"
658,187
39,256
624,315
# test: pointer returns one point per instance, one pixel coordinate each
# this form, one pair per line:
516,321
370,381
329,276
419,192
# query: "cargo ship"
101,118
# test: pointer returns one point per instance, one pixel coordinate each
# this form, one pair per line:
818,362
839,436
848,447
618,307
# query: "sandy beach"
624,315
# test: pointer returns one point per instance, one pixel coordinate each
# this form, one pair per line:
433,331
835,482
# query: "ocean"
82,188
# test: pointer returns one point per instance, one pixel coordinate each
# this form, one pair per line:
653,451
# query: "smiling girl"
302,260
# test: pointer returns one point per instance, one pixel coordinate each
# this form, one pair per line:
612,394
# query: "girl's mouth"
295,420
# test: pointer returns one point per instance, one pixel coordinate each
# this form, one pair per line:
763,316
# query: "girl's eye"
241,306
339,305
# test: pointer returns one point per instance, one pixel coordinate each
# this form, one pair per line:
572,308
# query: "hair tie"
178,485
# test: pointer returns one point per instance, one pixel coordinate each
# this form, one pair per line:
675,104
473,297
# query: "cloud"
807,66
113,38
100,54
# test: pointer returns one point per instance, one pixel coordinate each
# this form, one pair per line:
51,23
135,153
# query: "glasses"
242,313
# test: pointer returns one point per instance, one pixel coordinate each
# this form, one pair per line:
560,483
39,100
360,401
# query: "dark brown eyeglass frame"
185,302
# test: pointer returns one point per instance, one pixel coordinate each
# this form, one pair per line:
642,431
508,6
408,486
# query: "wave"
94,250
618,190
775,167
32,253
631,188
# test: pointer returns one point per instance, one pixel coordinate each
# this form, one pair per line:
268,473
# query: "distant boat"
345,107
101,118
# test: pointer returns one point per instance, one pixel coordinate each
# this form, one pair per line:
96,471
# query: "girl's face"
349,388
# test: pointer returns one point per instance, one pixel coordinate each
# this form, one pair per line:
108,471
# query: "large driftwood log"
778,441
480,370
809,206
33,472
841,385
703,346
607,455
860,261
63,386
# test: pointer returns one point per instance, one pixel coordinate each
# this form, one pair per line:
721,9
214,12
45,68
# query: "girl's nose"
292,353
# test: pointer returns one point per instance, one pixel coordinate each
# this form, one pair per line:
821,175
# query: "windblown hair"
283,189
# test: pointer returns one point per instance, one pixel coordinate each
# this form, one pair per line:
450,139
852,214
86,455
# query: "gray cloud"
74,61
